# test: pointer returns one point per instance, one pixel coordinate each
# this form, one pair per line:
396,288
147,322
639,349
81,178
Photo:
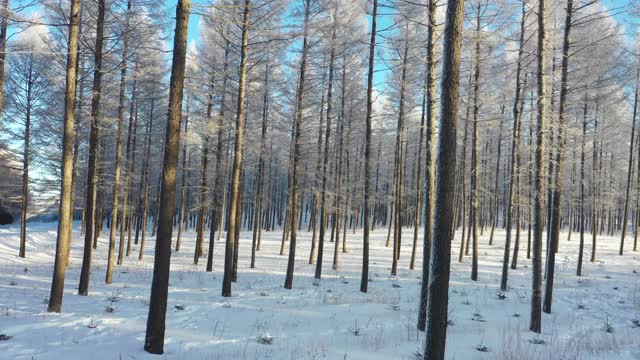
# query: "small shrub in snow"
537,341
607,326
26,270
265,339
396,285
478,317
394,307
114,298
109,309
501,296
92,324
482,348
516,315
180,307
636,322
607,277
582,306
13,283
616,288
5,337
450,322
264,293
417,355
355,330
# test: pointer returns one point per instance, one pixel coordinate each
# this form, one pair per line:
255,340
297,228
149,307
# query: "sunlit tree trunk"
154,338
65,221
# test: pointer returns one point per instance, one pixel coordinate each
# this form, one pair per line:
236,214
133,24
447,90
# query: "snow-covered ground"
332,320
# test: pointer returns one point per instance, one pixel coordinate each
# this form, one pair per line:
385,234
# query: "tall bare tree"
154,338
66,213
234,200
438,293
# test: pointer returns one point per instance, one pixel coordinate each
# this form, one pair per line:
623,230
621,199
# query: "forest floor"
596,316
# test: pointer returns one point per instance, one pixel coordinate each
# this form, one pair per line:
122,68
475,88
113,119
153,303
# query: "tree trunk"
202,196
237,159
630,169
430,164
288,282
438,294
4,8
325,160
582,195
257,222
559,161
474,151
25,162
538,194
118,164
515,162
64,224
154,338
92,167
183,187
218,191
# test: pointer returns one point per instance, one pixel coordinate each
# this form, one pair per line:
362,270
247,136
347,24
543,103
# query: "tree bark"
237,159
559,161
154,338
92,167
539,178
430,165
288,282
438,295
64,224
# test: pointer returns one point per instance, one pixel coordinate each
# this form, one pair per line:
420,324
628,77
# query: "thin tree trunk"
218,191
582,195
237,159
474,151
630,169
202,196
430,165
515,161
92,179
257,225
118,164
183,187
4,9
559,163
25,162
325,161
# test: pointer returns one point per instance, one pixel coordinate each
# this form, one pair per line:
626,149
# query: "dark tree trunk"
559,161
154,338
438,295
92,167
539,179
430,164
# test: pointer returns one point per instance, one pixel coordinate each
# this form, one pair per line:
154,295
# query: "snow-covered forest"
319,179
